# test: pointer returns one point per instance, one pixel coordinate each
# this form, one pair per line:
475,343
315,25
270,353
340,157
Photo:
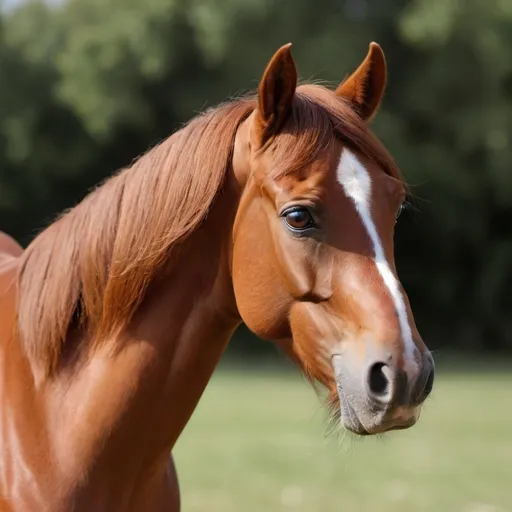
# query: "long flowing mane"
95,262
99,257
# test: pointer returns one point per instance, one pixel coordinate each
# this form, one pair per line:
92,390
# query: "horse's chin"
365,423
349,419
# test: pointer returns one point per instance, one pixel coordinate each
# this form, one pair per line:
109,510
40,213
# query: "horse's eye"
299,219
400,210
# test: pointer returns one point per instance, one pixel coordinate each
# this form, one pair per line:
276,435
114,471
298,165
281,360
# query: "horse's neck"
115,416
150,387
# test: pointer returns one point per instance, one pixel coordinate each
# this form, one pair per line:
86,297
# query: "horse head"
313,258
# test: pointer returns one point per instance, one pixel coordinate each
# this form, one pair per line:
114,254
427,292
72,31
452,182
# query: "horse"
275,209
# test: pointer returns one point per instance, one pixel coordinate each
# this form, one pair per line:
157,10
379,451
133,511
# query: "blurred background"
87,85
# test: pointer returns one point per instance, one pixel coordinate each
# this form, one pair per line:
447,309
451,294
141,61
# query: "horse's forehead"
363,180
328,173
308,179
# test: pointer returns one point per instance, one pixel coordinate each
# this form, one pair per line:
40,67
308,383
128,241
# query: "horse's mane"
94,264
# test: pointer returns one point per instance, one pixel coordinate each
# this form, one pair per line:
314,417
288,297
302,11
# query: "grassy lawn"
258,442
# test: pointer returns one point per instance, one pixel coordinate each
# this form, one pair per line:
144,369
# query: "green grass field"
258,442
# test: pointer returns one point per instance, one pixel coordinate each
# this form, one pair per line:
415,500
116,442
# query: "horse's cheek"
261,294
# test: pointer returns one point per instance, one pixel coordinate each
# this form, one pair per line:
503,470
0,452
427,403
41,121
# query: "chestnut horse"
277,210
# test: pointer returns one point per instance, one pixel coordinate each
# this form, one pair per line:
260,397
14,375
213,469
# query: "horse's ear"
275,93
365,87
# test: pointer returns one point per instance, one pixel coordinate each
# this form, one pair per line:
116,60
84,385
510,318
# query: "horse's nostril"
429,384
378,382
426,381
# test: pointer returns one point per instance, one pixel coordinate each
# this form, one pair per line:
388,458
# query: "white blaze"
357,184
